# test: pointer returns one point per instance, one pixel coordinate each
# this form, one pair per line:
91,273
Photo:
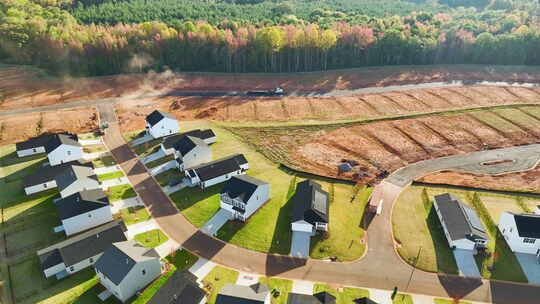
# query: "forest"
102,37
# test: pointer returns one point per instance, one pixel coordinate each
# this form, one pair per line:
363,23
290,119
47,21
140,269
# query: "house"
462,226
215,172
311,208
75,179
168,142
127,267
160,124
180,288
253,294
191,151
44,178
32,146
84,210
521,232
242,195
364,300
63,148
80,251
319,298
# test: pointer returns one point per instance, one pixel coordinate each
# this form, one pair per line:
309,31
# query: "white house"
63,148
521,232
311,208
215,172
127,267
160,124
84,210
75,179
257,293
80,251
167,145
242,195
32,146
44,178
462,226
191,151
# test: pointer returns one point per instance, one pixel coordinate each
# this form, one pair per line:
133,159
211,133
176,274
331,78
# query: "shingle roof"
219,167
461,221
48,173
61,139
169,141
319,298
364,300
156,116
73,173
81,203
528,225
242,187
117,261
239,294
310,203
185,144
34,142
82,246
180,288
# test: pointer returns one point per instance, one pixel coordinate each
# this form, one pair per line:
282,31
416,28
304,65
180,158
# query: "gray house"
84,210
63,148
207,135
80,251
190,151
254,294
217,171
32,146
243,195
76,178
180,288
462,226
127,267
44,178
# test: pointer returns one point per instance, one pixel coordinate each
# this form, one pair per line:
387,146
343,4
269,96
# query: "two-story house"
44,178
180,288
80,251
127,267
521,232
243,195
76,178
63,148
207,135
84,210
215,172
160,124
190,151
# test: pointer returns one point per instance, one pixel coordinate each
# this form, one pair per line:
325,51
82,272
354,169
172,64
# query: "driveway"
466,263
141,140
300,244
217,221
154,156
530,265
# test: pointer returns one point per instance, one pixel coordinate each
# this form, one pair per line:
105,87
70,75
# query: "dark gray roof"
82,246
61,139
34,142
118,260
185,144
81,203
239,294
180,288
48,173
219,167
364,300
319,298
156,116
528,225
461,221
310,203
169,141
73,173
242,187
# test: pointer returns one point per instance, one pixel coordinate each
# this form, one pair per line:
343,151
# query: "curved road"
380,268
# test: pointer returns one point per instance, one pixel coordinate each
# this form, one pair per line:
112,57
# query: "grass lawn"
94,148
497,204
448,301
278,285
198,206
216,279
167,176
88,136
345,296
402,298
120,192
134,215
110,175
529,205
129,136
91,296
104,161
159,161
151,238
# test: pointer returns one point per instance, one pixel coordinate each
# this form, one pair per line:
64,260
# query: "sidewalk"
170,246
133,230
201,268
140,140
114,182
109,169
163,167
126,203
154,156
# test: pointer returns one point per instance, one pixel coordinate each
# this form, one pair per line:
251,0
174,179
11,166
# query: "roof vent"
127,261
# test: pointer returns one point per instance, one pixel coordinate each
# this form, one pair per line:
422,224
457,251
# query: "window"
91,260
529,241
89,215
68,152
34,150
45,185
143,272
71,268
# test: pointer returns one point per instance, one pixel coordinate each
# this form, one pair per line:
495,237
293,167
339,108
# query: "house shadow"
281,239
203,245
446,262
278,264
12,159
507,292
458,287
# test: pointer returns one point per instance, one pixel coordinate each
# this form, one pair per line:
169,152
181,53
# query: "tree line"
50,37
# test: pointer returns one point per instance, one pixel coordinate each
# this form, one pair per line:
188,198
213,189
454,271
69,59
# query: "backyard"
344,295
120,192
279,288
216,279
151,238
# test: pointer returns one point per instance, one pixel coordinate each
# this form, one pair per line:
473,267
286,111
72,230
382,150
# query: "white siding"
220,179
167,151
135,280
210,140
114,289
197,156
83,264
41,187
49,272
259,197
508,228
163,128
80,185
28,152
64,153
87,220
302,226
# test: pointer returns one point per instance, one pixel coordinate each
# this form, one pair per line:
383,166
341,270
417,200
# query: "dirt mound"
210,112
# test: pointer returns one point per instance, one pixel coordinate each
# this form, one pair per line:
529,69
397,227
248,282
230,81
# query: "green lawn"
280,289
120,192
104,161
216,279
88,136
147,148
167,176
110,175
402,298
94,148
160,161
198,206
448,301
129,136
346,296
134,215
152,238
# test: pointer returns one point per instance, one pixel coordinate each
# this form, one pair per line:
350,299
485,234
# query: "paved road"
381,268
